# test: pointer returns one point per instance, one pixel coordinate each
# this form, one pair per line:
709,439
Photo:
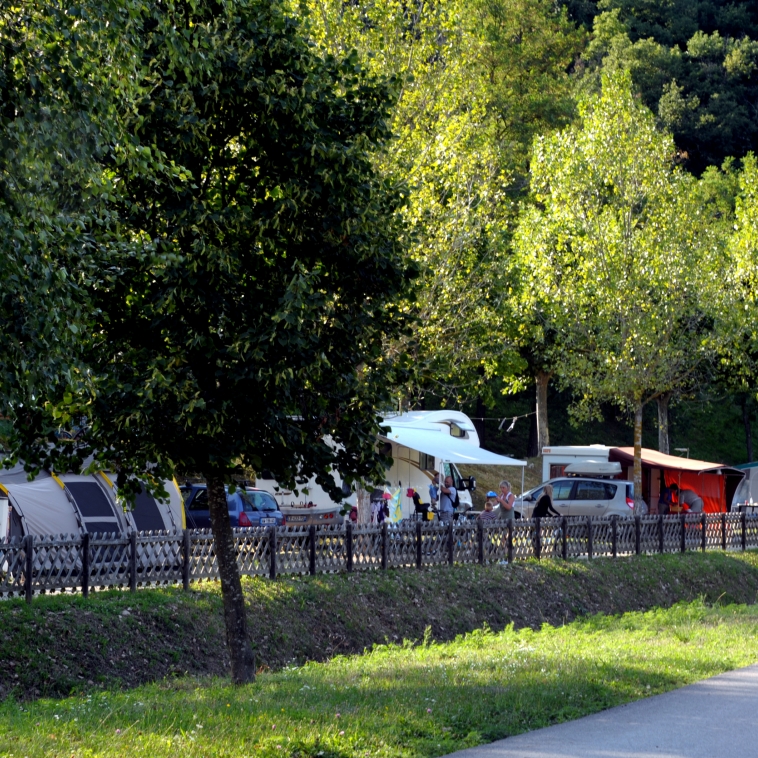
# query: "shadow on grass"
65,644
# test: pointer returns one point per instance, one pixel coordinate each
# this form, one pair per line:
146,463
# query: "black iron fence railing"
79,563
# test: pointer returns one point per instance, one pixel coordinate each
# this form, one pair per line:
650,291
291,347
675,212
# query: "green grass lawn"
423,699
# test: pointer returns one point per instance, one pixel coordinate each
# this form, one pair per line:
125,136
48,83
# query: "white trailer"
556,458
420,443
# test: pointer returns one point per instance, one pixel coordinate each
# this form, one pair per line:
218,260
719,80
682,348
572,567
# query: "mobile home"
420,443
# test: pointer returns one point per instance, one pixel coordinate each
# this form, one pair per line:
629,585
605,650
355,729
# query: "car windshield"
262,501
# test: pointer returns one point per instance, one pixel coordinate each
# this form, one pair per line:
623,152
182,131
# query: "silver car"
582,496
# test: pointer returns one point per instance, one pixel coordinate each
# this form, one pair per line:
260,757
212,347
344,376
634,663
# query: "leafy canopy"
619,254
261,268
695,65
479,80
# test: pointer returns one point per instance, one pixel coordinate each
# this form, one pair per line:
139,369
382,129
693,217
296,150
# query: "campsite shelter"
746,494
714,482
74,504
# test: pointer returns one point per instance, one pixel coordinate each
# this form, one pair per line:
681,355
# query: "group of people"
444,500
505,499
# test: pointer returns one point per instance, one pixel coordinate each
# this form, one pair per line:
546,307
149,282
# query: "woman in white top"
506,499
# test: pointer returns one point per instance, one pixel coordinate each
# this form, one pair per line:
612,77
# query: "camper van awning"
654,459
447,448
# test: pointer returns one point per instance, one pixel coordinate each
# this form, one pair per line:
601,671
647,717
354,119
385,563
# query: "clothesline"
503,419
500,418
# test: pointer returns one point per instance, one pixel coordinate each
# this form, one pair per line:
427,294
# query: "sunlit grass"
413,700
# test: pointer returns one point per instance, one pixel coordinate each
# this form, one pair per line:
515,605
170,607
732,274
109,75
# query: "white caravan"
420,442
556,458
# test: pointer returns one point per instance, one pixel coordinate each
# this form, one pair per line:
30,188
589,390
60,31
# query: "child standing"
488,514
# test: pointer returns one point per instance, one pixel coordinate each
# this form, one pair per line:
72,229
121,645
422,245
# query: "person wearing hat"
488,514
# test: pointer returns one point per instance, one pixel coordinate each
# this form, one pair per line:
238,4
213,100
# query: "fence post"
744,530
723,531
312,549
349,545
480,541
29,568
133,561
418,544
637,535
272,552
660,533
384,545
589,538
683,544
450,542
186,554
85,564
702,532
537,538
564,546
614,537
510,540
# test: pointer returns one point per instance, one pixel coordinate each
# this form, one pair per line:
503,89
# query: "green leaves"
694,64
619,257
268,266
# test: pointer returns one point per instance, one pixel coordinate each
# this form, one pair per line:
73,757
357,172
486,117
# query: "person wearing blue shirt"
447,499
434,489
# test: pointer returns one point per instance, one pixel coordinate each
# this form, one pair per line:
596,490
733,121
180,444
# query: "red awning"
686,473
654,459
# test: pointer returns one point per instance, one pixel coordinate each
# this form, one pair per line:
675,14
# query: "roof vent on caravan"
598,469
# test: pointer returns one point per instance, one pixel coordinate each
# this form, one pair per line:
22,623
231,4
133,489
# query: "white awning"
448,449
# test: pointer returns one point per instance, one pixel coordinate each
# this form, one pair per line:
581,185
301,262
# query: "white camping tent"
72,504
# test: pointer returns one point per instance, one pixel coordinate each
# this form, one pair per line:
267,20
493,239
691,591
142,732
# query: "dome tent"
72,504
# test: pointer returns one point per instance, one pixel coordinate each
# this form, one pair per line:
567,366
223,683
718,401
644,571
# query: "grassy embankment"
412,699
423,700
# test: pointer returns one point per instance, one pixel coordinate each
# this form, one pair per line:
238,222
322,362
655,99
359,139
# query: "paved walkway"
713,718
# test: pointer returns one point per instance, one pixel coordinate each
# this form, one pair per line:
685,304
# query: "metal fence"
79,563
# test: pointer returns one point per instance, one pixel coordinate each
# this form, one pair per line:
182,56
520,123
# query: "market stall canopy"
447,448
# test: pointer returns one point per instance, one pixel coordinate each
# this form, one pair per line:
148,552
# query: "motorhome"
420,443
557,457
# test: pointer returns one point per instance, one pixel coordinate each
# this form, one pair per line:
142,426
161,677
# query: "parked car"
247,507
582,496
323,516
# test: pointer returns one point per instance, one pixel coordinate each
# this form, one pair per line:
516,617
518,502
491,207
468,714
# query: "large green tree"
246,326
479,81
65,75
617,253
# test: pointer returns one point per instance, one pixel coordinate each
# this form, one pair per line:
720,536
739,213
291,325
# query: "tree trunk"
363,503
480,424
748,428
531,449
638,501
663,422
543,435
235,619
